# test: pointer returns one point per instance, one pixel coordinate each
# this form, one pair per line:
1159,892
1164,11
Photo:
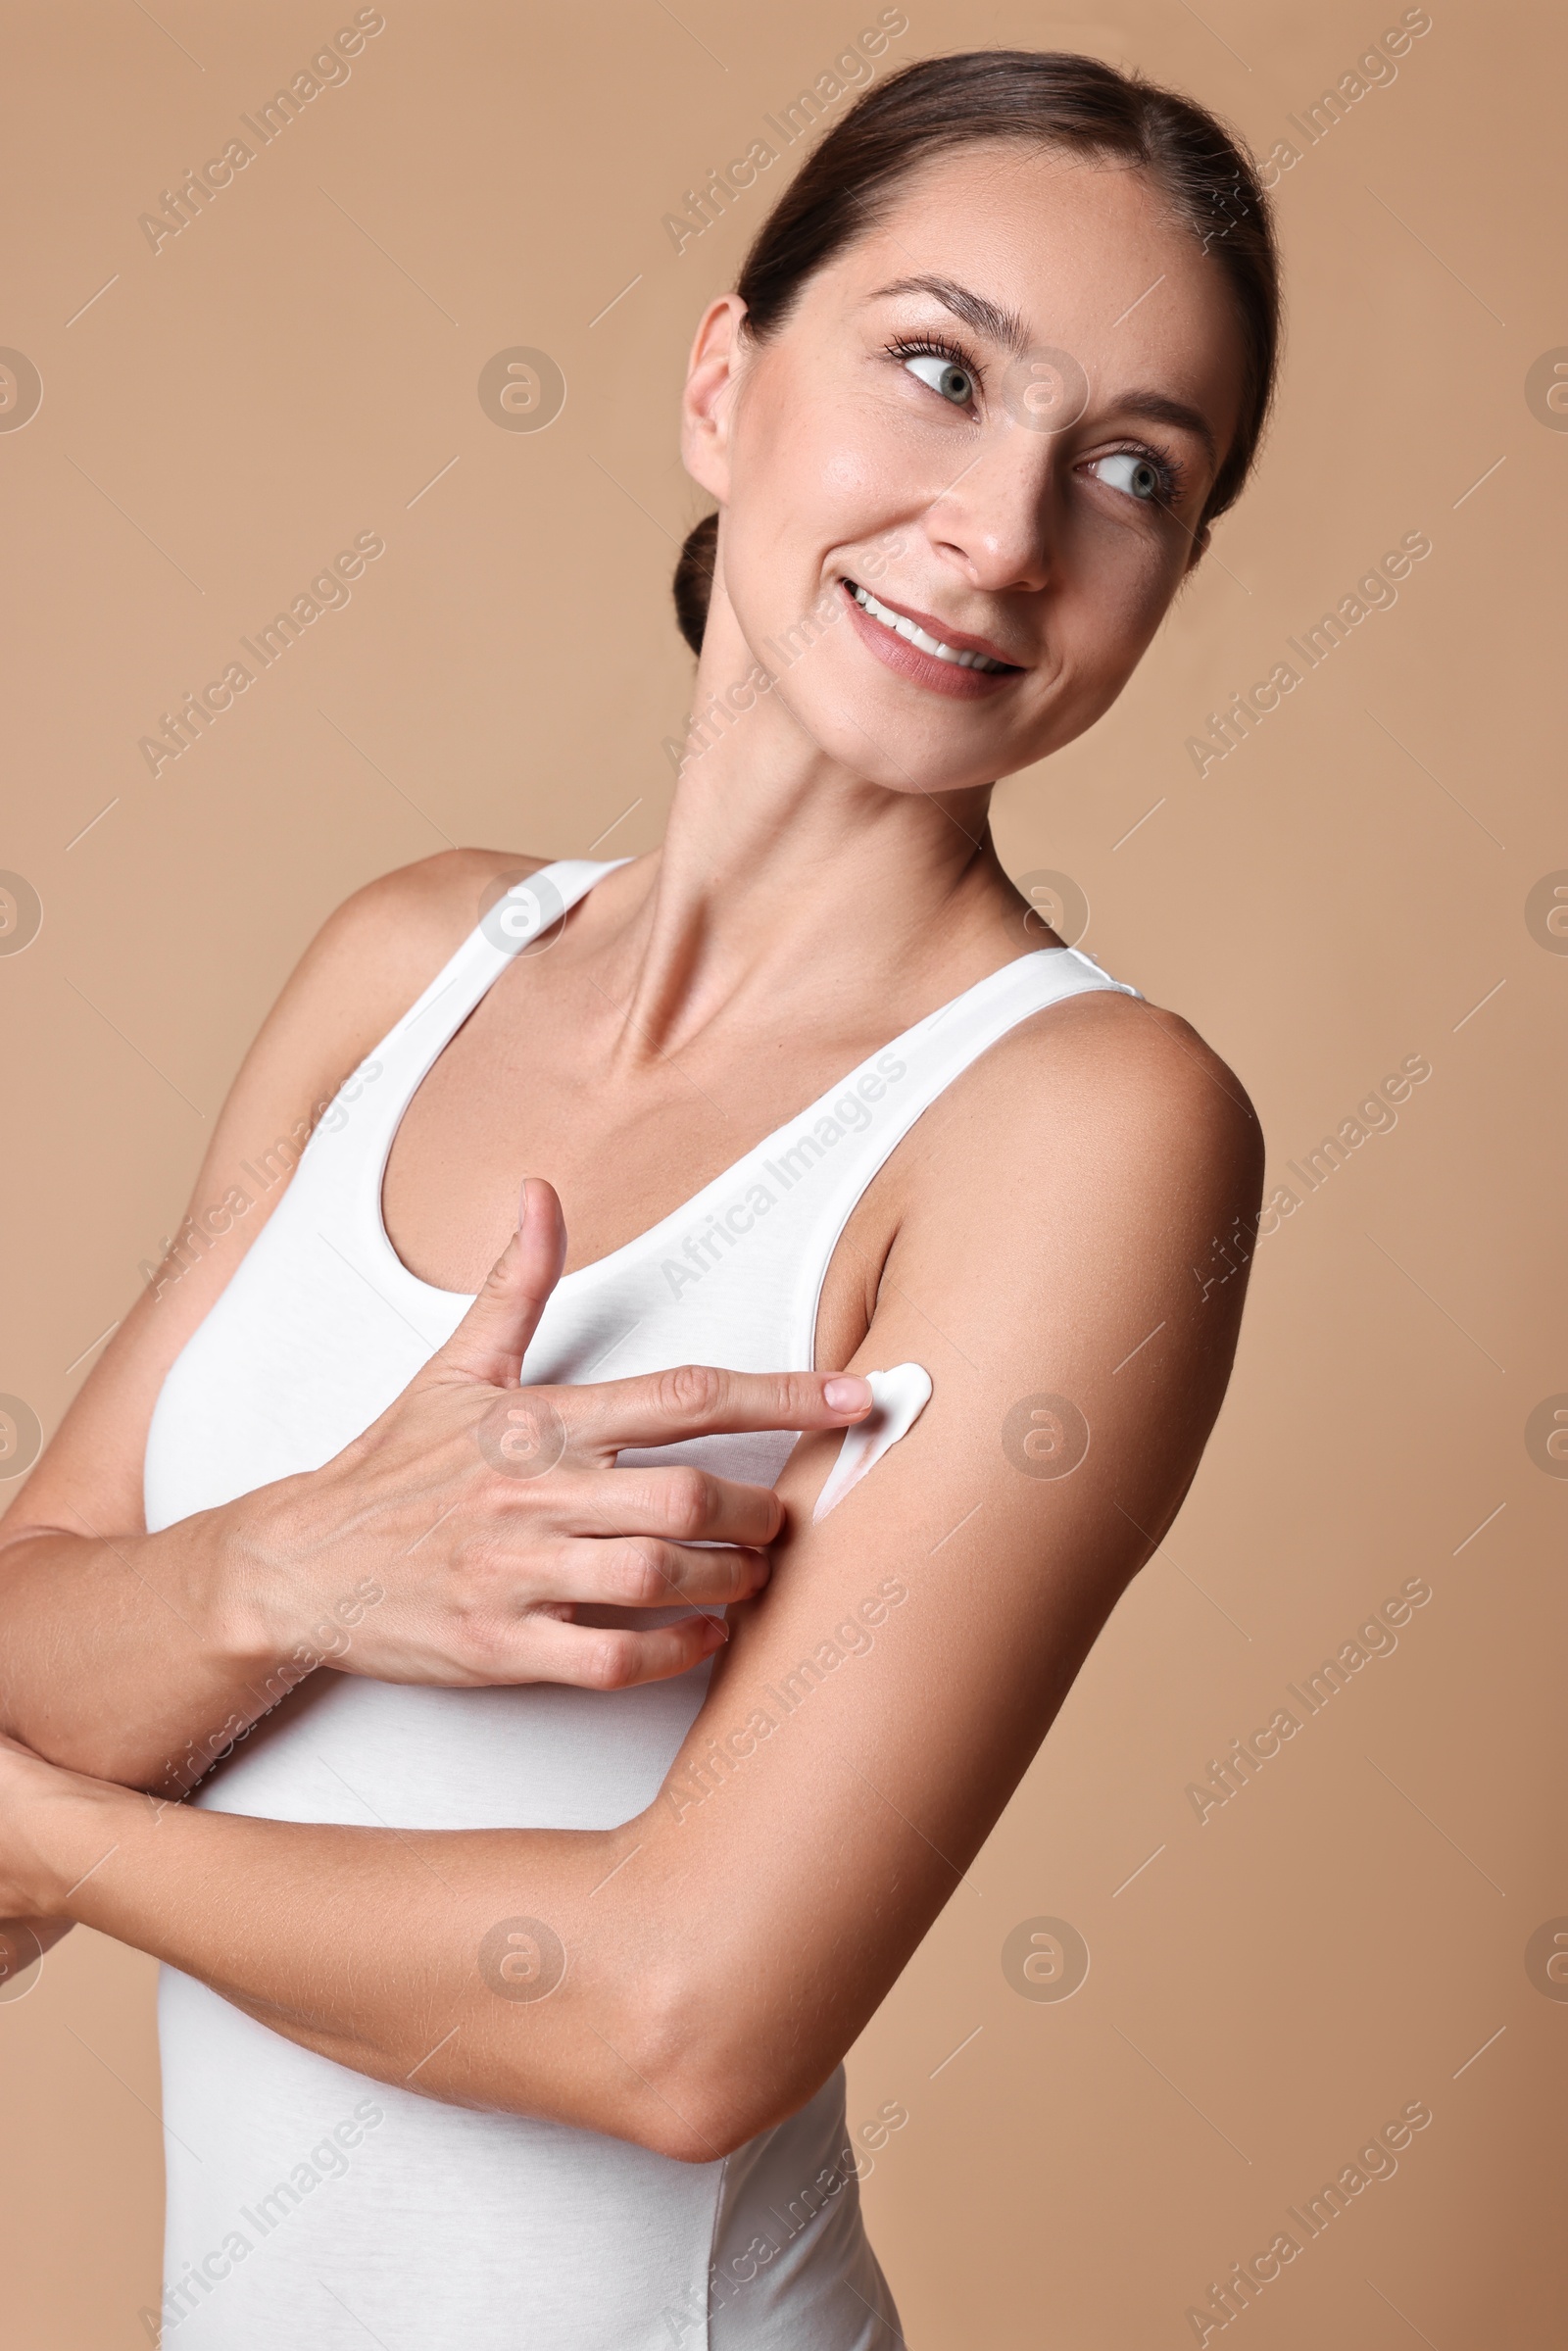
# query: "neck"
784,877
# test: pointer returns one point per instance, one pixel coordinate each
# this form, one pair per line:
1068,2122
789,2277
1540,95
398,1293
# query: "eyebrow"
1160,409
1007,329
986,318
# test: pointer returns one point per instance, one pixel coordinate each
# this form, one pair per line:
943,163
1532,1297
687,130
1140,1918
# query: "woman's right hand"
485,1514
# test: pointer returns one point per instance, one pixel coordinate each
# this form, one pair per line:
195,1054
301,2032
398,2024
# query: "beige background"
1345,890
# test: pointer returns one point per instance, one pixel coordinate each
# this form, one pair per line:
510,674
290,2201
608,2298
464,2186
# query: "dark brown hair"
1054,100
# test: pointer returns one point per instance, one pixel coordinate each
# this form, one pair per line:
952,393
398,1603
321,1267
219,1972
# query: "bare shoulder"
1108,1108
390,938
1062,1229
1141,1063
371,959
1118,1063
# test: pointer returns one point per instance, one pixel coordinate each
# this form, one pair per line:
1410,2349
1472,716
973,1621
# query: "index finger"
700,1400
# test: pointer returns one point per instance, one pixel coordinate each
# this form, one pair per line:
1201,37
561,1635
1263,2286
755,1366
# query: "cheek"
1118,586
816,449
811,460
1113,589
853,468
813,478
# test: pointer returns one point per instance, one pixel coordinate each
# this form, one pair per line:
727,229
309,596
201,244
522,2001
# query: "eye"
941,365
1139,476
943,375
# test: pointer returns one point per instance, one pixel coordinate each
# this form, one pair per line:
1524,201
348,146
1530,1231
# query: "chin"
895,746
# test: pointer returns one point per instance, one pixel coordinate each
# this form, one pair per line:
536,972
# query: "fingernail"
717,1631
848,1393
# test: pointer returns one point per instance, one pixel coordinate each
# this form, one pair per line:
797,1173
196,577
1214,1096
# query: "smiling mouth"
900,624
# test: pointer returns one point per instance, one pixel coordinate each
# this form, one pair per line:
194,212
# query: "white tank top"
308,2205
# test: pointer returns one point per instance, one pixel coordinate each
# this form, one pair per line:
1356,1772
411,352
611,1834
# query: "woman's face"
998,416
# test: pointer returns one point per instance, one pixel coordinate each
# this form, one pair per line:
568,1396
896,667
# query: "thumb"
492,1339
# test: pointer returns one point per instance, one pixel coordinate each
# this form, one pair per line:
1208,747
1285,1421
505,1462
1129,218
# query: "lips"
898,640
955,640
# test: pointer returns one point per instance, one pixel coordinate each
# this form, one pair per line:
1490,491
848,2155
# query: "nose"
997,520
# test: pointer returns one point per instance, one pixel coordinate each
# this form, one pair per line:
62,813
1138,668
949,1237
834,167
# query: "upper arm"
877,1706
368,962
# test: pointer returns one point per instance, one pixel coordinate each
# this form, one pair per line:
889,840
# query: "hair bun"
694,580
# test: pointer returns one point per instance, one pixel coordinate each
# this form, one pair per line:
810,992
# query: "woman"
511,1949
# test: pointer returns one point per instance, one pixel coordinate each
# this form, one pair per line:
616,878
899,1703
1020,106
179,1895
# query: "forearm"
140,1657
653,1982
416,1958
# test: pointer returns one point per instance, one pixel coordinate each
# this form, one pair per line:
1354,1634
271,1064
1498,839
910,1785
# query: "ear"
712,375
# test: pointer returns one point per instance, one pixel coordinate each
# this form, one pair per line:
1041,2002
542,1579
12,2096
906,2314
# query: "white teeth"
917,636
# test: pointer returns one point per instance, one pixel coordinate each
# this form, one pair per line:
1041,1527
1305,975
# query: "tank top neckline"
616,1260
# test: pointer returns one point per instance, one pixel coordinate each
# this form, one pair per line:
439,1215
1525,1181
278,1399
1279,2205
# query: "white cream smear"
900,1396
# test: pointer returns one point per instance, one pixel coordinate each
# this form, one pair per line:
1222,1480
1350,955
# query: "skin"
828,878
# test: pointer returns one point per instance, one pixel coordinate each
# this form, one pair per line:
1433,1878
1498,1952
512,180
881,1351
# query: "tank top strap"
741,1266
354,1136
860,1128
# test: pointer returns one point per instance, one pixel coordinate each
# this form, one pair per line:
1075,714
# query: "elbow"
706,2096
676,2105
690,2092
656,2043
685,2137
703,2122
